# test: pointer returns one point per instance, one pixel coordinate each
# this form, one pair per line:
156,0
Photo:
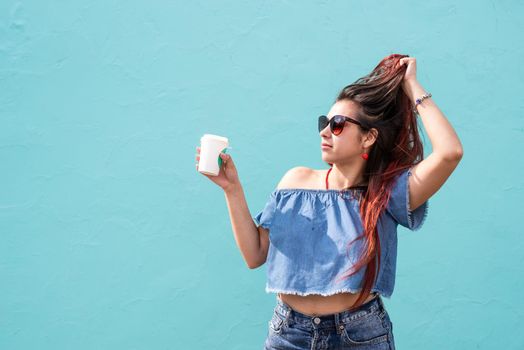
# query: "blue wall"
109,238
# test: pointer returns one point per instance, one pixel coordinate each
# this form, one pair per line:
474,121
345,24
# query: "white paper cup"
210,148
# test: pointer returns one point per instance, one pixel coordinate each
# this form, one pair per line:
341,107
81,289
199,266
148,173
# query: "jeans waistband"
289,315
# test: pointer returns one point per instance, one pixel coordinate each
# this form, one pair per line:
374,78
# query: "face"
351,142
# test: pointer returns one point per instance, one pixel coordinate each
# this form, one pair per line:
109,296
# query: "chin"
327,159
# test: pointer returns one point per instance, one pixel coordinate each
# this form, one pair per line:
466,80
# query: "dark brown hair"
383,105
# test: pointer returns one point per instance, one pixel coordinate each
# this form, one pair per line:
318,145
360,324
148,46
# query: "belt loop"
382,307
380,301
288,314
339,325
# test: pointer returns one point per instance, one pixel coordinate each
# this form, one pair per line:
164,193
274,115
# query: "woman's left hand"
411,71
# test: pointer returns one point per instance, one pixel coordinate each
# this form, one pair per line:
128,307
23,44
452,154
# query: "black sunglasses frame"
341,120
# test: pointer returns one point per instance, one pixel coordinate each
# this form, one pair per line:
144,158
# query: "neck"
341,177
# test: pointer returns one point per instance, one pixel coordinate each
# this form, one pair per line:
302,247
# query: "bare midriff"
318,305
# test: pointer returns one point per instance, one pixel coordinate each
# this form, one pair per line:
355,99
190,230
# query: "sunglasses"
336,124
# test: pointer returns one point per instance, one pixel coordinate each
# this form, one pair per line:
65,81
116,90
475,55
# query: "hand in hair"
411,70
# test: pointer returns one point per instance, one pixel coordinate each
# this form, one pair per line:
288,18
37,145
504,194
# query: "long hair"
383,105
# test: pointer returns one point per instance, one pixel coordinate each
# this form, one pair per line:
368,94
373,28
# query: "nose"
326,132
325,137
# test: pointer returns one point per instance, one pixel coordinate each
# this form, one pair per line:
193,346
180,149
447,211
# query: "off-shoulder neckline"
319,190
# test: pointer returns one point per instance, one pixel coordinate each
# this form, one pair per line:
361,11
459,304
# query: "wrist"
233,188
413,89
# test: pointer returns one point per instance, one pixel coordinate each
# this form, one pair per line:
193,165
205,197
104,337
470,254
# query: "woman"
333,232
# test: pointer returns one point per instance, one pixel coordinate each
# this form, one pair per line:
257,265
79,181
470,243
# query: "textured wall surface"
109,238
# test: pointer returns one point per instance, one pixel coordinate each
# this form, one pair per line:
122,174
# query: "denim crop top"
309,233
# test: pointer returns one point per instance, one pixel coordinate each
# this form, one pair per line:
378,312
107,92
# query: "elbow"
252,266
458,154
255,265
454,156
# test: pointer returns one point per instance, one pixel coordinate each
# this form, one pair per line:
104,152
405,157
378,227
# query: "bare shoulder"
301,177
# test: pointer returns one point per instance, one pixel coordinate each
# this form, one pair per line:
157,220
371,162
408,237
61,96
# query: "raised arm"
431,173
244,228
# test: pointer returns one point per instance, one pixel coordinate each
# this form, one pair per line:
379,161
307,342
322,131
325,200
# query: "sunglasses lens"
337,125
322,122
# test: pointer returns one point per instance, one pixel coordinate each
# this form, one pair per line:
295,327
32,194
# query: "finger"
225,157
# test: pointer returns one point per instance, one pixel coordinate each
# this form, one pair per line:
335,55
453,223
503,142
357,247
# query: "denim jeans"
366,327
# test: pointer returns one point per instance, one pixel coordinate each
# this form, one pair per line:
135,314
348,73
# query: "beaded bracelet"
419,101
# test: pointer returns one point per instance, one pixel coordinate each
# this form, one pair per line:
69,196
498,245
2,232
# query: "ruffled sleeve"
398,205
265,217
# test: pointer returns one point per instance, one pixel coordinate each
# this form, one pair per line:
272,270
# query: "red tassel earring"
365,156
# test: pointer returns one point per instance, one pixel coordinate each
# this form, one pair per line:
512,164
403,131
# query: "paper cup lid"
215,137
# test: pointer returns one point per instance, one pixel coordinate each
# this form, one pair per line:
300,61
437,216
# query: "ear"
370,137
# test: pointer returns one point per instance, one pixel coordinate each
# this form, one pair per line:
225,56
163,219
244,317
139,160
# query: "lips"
326,145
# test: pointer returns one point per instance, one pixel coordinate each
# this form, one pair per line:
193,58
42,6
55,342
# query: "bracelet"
419,101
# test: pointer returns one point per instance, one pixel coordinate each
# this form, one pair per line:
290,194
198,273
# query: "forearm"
444,140
244,228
